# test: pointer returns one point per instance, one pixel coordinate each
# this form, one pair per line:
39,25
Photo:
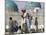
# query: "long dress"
13,26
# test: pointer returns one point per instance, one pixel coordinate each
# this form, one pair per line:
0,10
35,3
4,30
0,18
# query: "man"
10,25
36,23
28,21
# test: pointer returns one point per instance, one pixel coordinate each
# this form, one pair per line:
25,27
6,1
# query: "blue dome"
10,4
35,4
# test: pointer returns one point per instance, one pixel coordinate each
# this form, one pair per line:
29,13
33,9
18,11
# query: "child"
19,30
